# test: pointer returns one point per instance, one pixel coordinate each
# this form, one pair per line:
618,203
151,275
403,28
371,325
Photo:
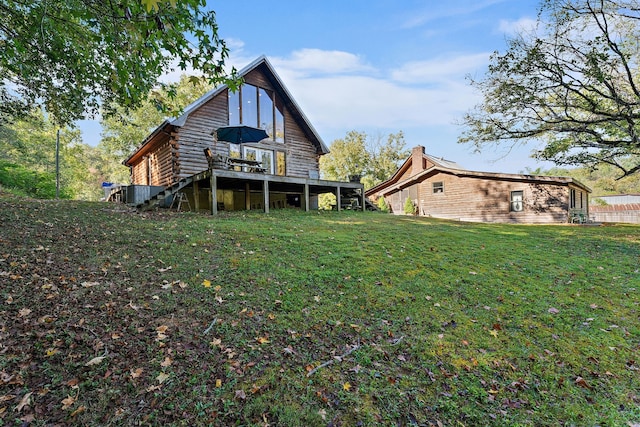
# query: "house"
278,171
443,189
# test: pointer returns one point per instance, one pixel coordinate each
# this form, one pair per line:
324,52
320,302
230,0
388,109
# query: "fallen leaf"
206,283
136,373
162,270
262,340
316,298
89,284
166,362
346,386
218,383
26,401
95,361
162,329
24,312
494,333
68,402
80,410
582,383
162,377
240,394
553,310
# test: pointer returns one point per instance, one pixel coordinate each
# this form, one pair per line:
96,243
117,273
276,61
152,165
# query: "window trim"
516,205
437,187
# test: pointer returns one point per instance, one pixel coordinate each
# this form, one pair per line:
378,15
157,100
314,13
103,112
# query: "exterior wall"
157,167
484,200
196,135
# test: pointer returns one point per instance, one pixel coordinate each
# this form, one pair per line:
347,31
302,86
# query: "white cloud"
405,98
316,61
452,8
440,70
520,26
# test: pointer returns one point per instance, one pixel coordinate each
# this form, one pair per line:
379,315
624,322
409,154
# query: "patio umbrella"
241,133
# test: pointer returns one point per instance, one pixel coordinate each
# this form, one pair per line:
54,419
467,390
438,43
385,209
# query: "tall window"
517,204
258,107
572,198
263,156
281,163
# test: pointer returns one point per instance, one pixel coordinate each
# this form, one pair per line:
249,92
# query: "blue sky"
383,66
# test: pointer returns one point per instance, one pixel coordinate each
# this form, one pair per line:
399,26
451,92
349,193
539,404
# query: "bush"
28,182
382,204
409,207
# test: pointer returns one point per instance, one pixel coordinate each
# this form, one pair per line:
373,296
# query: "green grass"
243,319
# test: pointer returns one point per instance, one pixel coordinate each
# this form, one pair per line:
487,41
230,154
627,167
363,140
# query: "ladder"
181,197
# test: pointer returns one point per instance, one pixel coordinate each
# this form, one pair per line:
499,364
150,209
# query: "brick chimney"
417,159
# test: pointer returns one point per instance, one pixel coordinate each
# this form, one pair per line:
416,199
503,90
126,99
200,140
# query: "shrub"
382,204
409,207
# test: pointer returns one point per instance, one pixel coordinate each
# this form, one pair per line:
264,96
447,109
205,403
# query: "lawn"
113,317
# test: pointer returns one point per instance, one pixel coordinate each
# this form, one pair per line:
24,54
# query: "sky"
381,66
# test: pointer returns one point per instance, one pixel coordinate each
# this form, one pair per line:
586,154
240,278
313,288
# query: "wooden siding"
157,167
196,135
485,200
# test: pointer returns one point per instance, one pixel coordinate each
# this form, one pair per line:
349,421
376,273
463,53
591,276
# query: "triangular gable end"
262,64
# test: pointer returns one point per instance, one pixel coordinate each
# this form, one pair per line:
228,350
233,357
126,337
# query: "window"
263,156
572,198
258,107
438,187
281,163
517,204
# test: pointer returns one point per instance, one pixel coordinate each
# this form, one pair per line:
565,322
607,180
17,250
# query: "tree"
74,55
346,157
572,83
358,154
125,129
28,147
385,159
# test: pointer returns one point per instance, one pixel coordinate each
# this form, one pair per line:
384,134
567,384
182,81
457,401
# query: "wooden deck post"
196,196
265,191
247,196
338,198
364,208
214,194
306,197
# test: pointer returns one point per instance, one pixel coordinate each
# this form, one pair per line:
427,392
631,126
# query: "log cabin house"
172,161
443,189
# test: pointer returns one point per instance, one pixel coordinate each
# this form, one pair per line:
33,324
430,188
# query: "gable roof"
449,167
265,66
407,165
